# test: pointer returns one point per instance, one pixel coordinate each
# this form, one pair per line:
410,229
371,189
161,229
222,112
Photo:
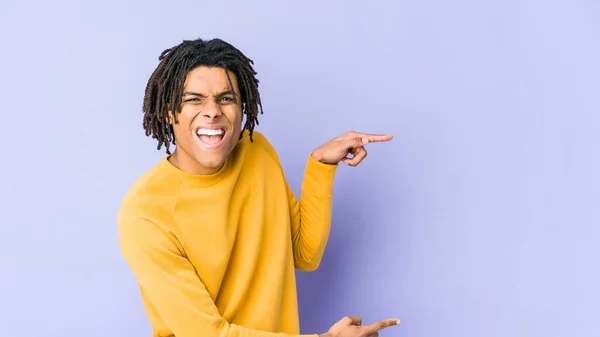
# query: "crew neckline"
200,180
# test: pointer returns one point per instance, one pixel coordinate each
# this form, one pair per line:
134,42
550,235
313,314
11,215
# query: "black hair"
165,86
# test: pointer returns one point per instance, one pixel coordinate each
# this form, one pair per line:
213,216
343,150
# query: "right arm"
171,284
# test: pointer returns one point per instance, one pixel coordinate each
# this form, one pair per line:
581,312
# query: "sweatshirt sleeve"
311,216
172,285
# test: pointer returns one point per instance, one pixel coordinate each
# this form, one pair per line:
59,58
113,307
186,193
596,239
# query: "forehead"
209,80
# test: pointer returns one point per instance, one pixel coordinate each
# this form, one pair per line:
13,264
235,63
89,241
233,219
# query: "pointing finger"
376,138
369,136
362,140
383,324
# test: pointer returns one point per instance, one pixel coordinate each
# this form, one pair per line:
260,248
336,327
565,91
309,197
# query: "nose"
211,110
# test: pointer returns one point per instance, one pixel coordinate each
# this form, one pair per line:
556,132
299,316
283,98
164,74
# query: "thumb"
347,321
355,320
351,320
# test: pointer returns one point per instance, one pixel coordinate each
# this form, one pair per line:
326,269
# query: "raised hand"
351,327
348,148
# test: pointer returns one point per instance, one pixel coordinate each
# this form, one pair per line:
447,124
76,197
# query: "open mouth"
211,137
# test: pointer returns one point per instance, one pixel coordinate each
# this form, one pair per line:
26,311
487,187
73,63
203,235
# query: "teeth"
210,132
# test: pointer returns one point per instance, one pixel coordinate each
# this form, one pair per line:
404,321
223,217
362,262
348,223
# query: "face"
209,123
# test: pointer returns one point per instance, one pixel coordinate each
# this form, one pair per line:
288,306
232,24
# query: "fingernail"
397,321
365,140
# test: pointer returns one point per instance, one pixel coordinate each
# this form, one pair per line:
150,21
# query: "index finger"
375,138
386,323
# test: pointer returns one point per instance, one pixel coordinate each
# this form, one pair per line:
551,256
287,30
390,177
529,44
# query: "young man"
213,232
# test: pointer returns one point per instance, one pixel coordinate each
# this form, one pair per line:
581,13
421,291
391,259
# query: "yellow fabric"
215,255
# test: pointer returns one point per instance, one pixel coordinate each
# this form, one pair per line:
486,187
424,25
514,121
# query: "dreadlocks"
165,86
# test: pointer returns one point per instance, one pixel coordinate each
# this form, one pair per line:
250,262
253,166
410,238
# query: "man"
213,232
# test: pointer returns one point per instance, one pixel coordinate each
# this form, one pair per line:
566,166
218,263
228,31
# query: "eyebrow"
189,93
222,93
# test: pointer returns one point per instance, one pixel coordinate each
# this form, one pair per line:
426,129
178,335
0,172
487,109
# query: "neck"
189,165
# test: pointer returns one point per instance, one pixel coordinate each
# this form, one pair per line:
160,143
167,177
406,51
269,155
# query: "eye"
192,100
228,99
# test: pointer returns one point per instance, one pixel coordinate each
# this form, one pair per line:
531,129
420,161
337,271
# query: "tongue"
211,140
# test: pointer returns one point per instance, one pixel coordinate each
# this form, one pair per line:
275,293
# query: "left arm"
311,216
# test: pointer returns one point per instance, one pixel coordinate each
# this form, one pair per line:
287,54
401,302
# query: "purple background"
480,219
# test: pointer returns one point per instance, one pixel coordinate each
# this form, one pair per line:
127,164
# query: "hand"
351,327
348,148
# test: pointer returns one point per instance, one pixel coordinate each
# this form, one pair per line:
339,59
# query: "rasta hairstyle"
165,86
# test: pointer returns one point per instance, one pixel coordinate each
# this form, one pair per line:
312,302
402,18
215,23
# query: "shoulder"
149,201
259,145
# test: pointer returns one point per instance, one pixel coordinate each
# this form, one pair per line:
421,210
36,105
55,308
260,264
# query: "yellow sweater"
215,255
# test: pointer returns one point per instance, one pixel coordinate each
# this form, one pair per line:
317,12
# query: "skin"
208,102
351,326
348,148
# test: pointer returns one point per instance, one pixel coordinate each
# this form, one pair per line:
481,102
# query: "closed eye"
192,100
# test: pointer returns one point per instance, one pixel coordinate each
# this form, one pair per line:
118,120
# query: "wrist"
317,156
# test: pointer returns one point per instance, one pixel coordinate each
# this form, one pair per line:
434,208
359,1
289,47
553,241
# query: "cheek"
187,114
180,132
235,116
182,128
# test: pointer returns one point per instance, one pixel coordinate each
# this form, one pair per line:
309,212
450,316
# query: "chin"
211,151
211,164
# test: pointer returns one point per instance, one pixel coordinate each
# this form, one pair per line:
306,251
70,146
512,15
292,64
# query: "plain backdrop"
480,219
